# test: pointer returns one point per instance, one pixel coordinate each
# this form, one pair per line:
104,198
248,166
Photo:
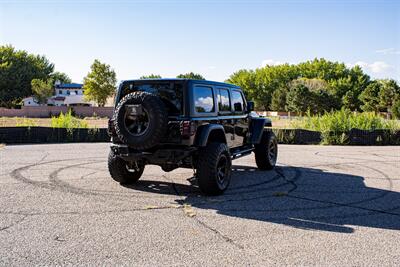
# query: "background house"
65,94
30,101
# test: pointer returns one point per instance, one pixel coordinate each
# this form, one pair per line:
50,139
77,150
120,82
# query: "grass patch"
334,126
25,122
68,121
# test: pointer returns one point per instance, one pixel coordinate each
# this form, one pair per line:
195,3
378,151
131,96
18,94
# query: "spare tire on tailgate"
140,120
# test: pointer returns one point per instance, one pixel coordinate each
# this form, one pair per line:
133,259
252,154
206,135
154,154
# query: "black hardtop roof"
187,80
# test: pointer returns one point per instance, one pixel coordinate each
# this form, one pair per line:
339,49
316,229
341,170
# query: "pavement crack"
219,234
14,223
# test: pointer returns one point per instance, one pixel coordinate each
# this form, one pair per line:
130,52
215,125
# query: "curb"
43,135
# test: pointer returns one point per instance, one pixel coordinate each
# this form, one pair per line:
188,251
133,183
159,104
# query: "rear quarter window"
224,101
238,102
203,99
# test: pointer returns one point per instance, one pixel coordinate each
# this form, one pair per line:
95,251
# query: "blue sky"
214,38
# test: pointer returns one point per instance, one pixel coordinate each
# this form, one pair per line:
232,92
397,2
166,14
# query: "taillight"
187,128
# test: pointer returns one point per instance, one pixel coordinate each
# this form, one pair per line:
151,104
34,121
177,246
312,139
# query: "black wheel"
122,171
214,169
266,152
140,120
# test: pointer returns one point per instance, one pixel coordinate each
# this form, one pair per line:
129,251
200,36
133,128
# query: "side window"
237,100
224,103
203,99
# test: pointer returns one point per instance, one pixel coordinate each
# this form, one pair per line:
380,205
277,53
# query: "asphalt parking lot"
323,205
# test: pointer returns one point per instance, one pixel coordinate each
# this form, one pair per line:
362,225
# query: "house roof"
69,86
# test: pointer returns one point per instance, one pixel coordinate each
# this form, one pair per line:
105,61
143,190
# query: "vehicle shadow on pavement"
307,198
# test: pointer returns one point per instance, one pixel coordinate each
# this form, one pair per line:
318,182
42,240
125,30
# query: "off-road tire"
207,169
158,120
119,171
265,157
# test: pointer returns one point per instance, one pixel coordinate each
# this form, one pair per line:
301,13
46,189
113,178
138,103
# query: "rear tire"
214,169
266,152
121,172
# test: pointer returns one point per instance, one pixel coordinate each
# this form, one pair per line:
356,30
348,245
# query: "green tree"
42,90
321,97
191,75
323,101
396,109
388,94
370,98
380,95
278,101
349,86
323,69
151,76
246,80
298,99
269,79
260,84
17,70
351,100
342,85
60,76
100,83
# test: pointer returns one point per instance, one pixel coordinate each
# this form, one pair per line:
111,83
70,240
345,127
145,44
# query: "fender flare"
204,131
257,128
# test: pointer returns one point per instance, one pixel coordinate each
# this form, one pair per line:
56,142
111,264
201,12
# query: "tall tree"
151,76
370,97
17,70
191,75
396,109
60,76
389,93
298,99
42,90
342,84
278,101
100,83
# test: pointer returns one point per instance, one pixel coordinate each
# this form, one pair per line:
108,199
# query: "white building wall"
30,102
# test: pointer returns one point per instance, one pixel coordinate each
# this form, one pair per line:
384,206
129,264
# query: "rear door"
240,118
225,114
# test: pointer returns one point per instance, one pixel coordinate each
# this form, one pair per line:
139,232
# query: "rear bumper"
160,156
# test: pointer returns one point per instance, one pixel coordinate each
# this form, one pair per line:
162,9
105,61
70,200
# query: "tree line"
318,85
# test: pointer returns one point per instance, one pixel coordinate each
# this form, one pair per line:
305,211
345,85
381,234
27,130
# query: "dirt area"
46,122
96,122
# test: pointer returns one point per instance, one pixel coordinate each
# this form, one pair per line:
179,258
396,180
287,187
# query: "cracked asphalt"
323,205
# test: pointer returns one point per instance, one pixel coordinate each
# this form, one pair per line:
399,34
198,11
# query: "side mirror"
250,106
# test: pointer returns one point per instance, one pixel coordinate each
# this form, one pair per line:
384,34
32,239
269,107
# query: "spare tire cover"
140,120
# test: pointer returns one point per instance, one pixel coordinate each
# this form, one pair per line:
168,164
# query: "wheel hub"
136,123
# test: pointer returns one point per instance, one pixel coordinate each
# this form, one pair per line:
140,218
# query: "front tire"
122,171
266,152
214,169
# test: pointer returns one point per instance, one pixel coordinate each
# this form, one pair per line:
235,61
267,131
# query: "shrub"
335,125
68,121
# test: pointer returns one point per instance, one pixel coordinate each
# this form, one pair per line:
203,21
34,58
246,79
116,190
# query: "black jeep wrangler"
195,124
